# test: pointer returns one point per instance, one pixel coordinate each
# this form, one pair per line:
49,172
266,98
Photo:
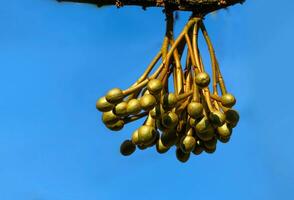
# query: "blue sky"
57,59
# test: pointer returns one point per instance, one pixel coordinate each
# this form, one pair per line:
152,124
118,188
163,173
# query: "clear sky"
57,59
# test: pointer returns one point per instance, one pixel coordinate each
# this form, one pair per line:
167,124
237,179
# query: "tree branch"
197,6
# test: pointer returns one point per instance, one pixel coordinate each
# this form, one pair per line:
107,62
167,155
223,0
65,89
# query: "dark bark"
198,6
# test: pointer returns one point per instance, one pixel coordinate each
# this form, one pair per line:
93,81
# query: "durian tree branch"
197,6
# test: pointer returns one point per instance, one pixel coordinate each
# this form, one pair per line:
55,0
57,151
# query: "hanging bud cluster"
192,114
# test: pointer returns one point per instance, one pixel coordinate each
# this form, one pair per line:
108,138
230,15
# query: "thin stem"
212,56
207,99
181,106
201,61
174,46
135,117
221,80
136,88
195,46
178,71
215,97
190,49
223,108
188,64
164,47
189,80
149,68
145,74
184,95
217,100
196,96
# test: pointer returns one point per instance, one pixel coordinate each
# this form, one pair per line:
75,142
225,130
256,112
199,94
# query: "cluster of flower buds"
190,115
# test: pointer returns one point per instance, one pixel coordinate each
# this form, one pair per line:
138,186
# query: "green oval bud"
103,105
224,139
204,130
121,109
207,150
202,79
206,135
114,96
127,148
232,117
224,131
169,137
169,101
210,144
170,120
202,125
228,100
147,102
217,118
181,156
159,125
109,117
195,110
198,148
154,86
117,126
188,144
160,148
146,134
134,106
135,137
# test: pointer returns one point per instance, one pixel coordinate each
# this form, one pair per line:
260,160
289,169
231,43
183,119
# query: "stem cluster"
188,113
